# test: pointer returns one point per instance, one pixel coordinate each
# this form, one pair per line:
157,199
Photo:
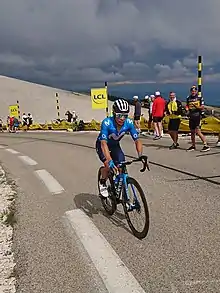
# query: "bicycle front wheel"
135,203
108,203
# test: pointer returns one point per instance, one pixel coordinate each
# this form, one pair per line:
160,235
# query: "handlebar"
143,159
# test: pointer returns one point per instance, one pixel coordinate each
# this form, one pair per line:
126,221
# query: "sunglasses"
121,115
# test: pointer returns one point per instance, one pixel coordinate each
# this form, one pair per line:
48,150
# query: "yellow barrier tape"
209,124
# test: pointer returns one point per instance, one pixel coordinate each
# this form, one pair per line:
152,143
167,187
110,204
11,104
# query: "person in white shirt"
24,119
151,100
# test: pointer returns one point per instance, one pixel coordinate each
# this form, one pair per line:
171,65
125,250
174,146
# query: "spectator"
8,123
150,119
158,110
74,116
174,111
195,108
218,142
1,125
30,119
137,113
146,102
11,124
24,120
69,116
16,124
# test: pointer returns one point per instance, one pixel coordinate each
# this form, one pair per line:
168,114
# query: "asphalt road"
180,253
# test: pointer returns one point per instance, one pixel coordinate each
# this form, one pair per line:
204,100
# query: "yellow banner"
13,111
99,98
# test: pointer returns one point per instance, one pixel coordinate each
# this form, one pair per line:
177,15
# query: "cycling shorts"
174,124
195,122
116,153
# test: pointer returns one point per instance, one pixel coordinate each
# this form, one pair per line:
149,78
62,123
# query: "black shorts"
116,153
136,117
157,119
195,122
174,124
150,118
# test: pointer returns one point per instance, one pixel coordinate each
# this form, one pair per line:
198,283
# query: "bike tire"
139,234
110,209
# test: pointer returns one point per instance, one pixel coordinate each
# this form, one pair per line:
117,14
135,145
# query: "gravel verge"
7,264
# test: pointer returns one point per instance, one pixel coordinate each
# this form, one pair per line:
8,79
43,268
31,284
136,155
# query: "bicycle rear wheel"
136,207
108,203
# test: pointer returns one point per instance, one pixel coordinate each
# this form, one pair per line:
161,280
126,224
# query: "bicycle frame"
120,182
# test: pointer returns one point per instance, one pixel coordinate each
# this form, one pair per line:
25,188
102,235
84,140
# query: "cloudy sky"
76,42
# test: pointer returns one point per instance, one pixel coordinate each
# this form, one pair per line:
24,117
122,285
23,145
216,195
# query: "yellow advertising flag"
13,111
99,98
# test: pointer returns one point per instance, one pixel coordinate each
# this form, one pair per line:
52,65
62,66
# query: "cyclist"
108,141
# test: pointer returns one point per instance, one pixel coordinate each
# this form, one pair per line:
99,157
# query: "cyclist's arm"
104,140
135,136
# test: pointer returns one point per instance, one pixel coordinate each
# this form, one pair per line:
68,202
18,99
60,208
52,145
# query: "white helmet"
121,106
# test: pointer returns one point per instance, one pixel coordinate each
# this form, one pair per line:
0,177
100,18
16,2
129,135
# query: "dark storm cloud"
97,40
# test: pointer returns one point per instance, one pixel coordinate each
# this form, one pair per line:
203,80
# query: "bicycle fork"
130,205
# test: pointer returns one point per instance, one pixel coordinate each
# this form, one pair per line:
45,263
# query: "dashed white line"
12,151
27,160
115,275
51,183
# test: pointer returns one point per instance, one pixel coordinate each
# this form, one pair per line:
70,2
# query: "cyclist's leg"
117,155
102,158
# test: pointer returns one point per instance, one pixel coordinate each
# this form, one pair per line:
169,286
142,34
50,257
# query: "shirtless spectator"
158,110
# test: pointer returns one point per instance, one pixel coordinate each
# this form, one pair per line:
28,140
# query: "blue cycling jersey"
110,133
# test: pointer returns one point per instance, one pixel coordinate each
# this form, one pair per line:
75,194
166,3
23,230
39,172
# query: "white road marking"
28,160
12,151
115,275
51,183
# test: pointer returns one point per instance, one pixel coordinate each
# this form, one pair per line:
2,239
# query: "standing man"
150,119
137,113
174,111
195,107
158,110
